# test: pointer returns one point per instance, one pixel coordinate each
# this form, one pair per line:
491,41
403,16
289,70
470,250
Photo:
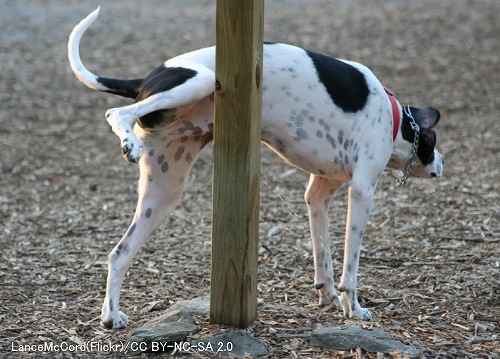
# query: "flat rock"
234,343
349,337
171,316
183,310
159,337
197,306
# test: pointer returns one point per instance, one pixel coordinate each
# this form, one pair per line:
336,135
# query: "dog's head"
429,162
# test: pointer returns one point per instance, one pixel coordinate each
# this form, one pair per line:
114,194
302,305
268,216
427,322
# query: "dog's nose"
434,175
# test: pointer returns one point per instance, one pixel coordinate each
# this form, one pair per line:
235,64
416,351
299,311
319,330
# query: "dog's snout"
436,169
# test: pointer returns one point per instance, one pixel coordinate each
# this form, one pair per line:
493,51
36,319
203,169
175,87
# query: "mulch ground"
430,269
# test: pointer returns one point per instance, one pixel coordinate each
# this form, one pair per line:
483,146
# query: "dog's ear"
426,117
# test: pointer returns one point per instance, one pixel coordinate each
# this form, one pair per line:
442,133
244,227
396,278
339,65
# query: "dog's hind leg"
318,194
164,171
171,88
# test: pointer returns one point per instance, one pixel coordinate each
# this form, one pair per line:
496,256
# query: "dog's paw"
121,123
131,150
328,297
362,314
354,310
109,322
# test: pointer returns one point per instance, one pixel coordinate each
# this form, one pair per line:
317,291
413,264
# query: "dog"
331,118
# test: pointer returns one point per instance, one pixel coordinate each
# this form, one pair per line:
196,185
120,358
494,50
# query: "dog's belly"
312,148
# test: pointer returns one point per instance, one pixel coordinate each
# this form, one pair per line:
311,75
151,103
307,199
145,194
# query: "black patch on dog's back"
345,84
160,80
163,79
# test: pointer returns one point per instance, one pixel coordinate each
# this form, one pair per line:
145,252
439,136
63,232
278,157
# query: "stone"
159,337
183,310
173,326
172,316
197,306
238,344
349,337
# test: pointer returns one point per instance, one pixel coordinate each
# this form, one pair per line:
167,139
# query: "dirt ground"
430,269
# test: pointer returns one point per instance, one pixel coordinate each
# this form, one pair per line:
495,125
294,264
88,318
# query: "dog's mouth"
435,169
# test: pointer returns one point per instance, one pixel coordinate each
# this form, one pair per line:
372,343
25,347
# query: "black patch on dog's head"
345,84
426,118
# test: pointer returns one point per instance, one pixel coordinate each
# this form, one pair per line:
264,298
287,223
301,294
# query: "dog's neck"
401,148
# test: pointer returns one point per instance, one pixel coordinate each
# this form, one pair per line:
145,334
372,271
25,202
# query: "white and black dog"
331,118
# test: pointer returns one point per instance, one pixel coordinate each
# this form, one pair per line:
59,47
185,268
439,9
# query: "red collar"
395,113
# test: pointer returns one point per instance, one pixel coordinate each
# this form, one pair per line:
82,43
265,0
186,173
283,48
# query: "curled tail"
125,88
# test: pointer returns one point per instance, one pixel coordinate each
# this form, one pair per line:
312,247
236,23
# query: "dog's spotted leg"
318,194
164,170
359,206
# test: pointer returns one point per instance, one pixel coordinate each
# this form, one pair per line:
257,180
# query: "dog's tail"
126,88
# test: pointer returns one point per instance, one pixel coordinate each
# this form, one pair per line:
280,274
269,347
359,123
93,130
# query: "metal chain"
412,160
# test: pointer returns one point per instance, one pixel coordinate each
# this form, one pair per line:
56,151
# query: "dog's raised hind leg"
173,90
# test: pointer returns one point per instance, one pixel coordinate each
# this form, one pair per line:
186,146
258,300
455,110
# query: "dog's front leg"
318,194
359,207
163,174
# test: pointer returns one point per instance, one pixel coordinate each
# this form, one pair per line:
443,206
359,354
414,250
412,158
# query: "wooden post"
236,178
